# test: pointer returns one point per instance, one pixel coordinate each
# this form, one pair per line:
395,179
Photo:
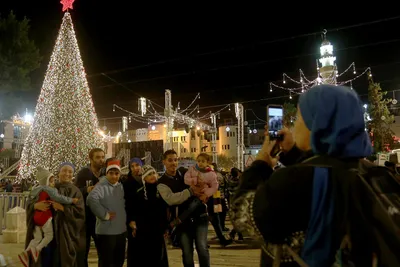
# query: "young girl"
203,175
200,175
151,221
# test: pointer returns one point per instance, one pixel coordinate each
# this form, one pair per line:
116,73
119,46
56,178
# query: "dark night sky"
227,54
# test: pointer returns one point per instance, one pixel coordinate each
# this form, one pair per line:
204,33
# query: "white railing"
9,201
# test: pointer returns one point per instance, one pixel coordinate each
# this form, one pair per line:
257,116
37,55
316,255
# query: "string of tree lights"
327,72
65,125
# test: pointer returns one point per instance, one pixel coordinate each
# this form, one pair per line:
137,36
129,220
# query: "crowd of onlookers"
69,209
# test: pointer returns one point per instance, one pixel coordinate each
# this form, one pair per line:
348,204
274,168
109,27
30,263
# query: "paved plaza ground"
239,254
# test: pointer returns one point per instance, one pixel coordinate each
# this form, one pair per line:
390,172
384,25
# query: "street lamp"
28,118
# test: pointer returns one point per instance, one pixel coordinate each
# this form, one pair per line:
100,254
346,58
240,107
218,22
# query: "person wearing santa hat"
107,203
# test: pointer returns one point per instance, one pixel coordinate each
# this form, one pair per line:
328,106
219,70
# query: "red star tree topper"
67,4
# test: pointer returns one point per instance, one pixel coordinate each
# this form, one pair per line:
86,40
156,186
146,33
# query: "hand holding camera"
271,148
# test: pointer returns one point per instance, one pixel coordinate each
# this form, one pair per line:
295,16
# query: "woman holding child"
67,248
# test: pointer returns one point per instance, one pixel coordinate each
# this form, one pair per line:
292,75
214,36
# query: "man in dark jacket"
85,180
176,194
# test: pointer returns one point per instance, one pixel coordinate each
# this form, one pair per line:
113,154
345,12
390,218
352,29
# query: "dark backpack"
370,215
368,220
381,191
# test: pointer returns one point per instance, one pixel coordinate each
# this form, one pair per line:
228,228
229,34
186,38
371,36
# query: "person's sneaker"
35,253
24,258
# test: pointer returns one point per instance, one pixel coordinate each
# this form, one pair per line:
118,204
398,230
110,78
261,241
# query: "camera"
273,135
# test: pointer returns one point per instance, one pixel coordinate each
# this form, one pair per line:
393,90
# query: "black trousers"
111,249
131,259
216,223
222,215
90,233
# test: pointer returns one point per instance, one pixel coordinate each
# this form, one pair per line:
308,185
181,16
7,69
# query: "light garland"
142,105
239,110
328,67
156,117
65,123
175,115
191,104
139,118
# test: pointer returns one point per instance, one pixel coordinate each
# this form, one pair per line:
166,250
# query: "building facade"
13,134
188,143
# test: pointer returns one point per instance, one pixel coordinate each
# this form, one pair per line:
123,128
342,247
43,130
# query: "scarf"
335,117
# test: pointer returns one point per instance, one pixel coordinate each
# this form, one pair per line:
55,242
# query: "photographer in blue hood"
300,210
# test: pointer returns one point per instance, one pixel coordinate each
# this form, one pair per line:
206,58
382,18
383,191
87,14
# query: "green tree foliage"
289,114
381,119
19,57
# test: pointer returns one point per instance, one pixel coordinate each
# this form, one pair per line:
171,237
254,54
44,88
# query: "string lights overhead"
151,116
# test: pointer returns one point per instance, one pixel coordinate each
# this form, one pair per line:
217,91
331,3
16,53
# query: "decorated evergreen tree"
289,114
381,119
65,124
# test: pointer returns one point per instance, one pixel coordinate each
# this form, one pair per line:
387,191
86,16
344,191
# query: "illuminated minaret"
328,70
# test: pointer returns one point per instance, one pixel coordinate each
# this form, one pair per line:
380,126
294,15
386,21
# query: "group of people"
109,208
298,209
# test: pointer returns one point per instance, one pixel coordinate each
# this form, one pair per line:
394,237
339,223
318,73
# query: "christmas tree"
65,124
381,119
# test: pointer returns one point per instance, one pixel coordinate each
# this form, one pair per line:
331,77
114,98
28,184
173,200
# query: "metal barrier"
9,201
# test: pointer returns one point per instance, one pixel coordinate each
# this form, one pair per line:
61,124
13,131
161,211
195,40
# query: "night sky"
227,54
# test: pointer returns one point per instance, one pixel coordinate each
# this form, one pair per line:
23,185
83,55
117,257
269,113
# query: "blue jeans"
196,232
